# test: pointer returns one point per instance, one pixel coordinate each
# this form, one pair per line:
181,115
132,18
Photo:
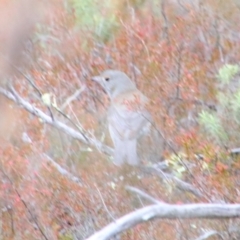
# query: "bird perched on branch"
127,117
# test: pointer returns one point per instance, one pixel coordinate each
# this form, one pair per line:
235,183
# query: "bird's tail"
123,149
131,152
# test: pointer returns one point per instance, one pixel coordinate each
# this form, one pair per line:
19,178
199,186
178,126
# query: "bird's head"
114,82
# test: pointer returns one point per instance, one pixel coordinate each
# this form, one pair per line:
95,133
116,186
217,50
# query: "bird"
127,116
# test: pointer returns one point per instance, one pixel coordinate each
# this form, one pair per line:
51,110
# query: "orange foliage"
172,54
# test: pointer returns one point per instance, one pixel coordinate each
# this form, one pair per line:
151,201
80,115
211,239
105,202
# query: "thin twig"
72,97
33,217
33,85
143,194
63,171
108,212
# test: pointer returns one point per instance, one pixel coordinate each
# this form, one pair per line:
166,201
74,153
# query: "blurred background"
183,55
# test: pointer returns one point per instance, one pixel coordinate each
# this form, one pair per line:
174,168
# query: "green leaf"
227,72
212,125
98,18
235,106
175,161
46,98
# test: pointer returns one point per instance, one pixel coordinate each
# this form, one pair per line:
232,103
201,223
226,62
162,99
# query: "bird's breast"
130,102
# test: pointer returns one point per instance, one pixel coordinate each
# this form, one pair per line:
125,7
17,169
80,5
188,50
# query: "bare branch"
166,211
83,137
208,234
73,97
186,186
178,182
143,194
165,22
111,216
235,151
62,170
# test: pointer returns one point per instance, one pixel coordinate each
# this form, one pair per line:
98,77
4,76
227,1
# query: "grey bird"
127,117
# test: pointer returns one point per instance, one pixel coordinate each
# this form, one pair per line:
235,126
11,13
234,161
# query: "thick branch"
167,211
55,123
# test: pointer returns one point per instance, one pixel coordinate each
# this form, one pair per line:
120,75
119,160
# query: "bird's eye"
107,79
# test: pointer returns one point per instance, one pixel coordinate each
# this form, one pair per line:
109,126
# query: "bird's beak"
97,79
